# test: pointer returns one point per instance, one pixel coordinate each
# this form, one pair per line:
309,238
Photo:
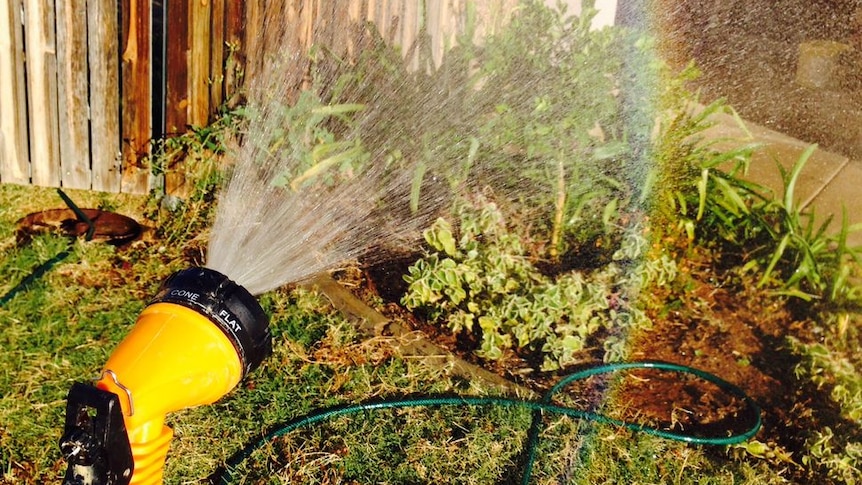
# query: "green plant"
829,369
704,192
559,123
191,166
809,262
315,137
482,282
842,459
196,154
534,111
696,185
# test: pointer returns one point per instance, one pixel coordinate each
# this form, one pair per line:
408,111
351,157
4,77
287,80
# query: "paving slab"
843,194
775,149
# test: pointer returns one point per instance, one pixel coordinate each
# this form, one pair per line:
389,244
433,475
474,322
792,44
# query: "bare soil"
749,53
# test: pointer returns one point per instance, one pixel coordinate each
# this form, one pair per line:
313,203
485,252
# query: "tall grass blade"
338,109
731,199
416,186
776,257
701,192
323,165
790,182
740,122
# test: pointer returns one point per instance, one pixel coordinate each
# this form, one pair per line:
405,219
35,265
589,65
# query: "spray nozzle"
226,304
199,336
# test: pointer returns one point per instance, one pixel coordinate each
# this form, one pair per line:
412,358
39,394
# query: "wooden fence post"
104,94
234,57
199,61
176,66
137,94
73,94
39,36
14,150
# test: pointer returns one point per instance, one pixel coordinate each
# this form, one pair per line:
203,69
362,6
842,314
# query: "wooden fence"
87,85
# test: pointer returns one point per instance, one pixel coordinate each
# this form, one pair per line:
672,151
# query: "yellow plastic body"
174,358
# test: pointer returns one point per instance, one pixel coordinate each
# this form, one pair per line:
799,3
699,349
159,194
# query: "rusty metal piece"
110,227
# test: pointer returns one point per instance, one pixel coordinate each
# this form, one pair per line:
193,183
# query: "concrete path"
829,184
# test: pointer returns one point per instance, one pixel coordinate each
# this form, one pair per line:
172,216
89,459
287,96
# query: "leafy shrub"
535,110
195,159
699,189
313,136
550,88
481,281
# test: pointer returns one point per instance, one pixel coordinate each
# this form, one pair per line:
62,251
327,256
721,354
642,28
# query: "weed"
533,110
315,136
809,262
193,162
698,187
560,122
199,150
841,458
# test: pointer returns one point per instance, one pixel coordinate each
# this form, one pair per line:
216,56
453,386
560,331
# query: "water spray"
199,336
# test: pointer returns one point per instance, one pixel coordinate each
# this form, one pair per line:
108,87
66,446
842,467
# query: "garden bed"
727,328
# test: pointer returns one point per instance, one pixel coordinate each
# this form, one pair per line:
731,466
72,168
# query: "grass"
62,328
58,329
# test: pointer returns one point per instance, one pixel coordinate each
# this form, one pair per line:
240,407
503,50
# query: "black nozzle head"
95,443
228,305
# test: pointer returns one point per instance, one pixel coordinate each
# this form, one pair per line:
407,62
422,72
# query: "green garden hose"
226,475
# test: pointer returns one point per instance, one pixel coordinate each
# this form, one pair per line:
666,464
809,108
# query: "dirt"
739,336
749,53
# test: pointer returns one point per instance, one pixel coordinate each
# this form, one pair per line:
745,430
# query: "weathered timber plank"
176,66
72,94
434,18
354,17
306,22
41,59
252,33
176,71
234,63
200,16
411,22
14,151
217,54
103,48
136,105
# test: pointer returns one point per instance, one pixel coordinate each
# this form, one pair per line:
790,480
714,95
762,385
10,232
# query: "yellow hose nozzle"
200,335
